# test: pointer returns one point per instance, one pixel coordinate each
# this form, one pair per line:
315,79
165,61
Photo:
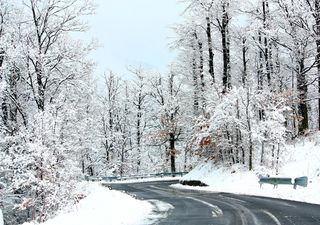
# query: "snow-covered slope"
301,159
103,206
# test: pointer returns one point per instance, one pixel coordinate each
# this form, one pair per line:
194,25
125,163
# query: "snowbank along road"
197,208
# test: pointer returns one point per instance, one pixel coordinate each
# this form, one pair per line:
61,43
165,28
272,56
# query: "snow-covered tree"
45,90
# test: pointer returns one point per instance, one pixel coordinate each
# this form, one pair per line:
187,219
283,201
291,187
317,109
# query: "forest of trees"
245,81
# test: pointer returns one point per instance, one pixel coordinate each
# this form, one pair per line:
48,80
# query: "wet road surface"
198,207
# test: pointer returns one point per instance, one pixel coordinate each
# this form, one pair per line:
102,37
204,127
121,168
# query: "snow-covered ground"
302,159
1,218
103,206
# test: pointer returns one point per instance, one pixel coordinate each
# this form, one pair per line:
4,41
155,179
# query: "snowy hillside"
302,159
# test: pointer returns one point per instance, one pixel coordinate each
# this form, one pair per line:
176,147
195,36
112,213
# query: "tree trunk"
5,112
260,67
172,153
139,115
201,73
302,87
13,81
210,50
244,61
10,103
82,166
122,160
262,154
278,159
249,131
41,88
195,83
317,29
226,77
267,50
1,59
273,156
238,134
260,72
185,158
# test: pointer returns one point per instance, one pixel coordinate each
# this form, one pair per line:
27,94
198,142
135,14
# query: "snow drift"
103,206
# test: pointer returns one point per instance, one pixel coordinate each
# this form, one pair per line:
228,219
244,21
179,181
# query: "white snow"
103,206
1,218
161,210
301,159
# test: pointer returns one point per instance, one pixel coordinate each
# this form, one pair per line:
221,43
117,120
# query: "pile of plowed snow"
103,206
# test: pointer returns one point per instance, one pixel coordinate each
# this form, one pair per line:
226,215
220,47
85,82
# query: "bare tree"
51,20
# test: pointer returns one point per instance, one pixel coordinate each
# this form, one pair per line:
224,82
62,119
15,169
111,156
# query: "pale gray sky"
133,32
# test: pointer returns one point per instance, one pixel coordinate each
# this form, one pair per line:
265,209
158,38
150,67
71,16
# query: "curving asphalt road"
197,208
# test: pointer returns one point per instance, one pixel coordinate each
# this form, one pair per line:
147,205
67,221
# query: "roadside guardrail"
133,177
300,181
275,181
